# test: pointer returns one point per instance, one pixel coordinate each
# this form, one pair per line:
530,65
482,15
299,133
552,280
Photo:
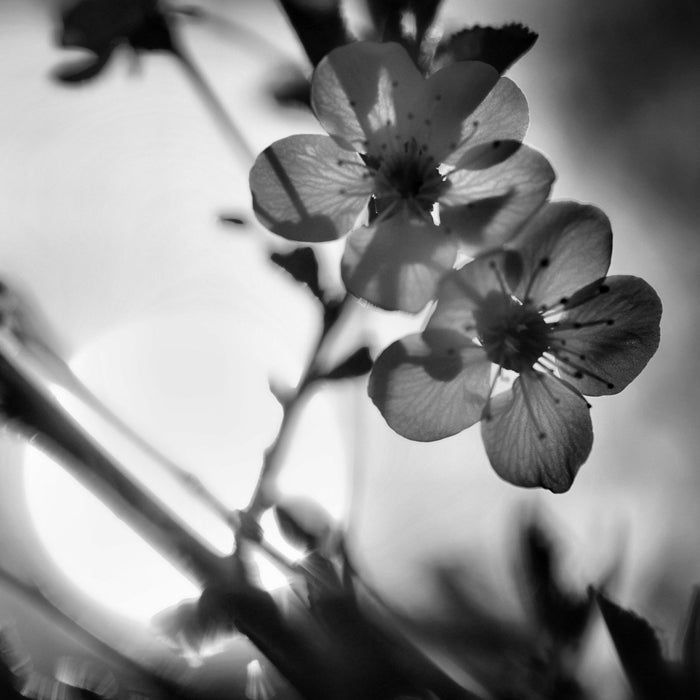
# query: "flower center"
409,176
514,335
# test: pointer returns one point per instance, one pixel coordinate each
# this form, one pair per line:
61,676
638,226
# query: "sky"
110,205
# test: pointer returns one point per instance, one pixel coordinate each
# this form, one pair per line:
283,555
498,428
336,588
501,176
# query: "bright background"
109,202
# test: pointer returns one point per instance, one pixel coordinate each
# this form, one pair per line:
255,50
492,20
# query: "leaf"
319,25
357,365
101,25
81,70
303,522
639,650
292,89
564,615
497,46
302,265
691,646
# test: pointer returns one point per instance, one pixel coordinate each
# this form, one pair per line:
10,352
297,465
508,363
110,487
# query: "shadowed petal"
539,434
462,291
599,357
306,188
449,97
565,246
396,264
502,116
487,207
361,90
430,388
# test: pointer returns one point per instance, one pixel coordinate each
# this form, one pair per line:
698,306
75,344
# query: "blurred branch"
36,413
263,497
229,127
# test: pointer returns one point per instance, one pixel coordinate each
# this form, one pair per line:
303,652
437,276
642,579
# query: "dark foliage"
302,265
500,47
99,26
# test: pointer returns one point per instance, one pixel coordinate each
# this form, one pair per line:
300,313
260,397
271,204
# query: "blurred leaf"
231,219
497,46
99,26
691,647
292,89
639,650
81,70
358,364
302,265
564,615
303,522
319,24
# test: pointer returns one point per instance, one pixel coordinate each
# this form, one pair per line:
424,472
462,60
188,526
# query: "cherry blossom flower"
544,310
447,146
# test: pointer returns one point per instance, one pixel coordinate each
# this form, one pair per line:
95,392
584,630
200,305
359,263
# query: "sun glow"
206,404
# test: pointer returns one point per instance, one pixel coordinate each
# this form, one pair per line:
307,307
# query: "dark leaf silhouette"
357,365
497,46
302,265
99,26
303,522
691,647
640,652
292,89
563,614
319,25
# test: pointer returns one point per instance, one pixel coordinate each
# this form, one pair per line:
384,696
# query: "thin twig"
263,496
225,121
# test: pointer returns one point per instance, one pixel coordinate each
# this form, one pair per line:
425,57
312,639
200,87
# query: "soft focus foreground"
111,198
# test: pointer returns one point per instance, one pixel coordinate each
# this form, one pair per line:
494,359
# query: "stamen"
577,325
499,277
486,415
575,370
544,263
551,372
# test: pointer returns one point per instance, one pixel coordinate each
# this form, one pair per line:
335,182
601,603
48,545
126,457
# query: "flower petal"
306,188
362,92
396,263
487,207
430,390
598,357
502,116
538,434
449,97
565,246
462,291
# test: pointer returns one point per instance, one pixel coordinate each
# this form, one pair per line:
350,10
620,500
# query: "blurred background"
111,194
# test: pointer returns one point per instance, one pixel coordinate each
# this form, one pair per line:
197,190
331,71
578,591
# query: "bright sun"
206,404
